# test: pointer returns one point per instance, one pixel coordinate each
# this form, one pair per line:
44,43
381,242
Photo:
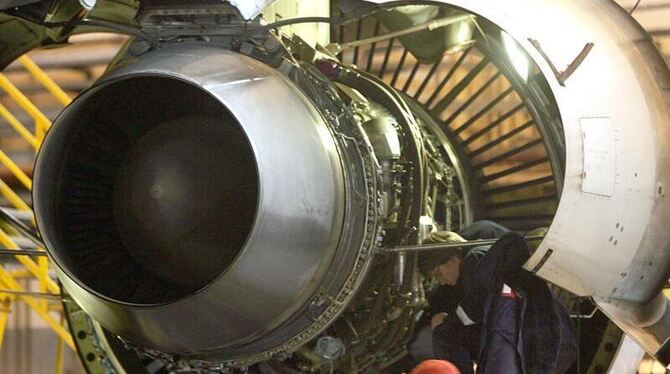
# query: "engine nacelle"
191,212
207,205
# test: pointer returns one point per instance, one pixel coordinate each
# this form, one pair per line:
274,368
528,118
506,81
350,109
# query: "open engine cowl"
182,216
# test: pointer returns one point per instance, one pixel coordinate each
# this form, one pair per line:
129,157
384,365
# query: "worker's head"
436,367
448,272
445,266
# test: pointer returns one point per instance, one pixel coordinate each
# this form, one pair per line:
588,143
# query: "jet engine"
229,195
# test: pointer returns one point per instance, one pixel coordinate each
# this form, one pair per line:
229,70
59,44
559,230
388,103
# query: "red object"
328,67
508,292
436,367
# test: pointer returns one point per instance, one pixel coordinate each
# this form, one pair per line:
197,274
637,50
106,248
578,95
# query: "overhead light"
463,31
88,4
517,56
459,35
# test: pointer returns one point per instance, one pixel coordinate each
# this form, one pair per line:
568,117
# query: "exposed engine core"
193,190
226,196
207,199
274,232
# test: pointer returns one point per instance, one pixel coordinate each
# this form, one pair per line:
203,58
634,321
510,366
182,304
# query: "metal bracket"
22,252
543,261
563,76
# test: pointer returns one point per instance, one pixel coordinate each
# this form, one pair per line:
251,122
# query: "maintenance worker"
445,298
507,320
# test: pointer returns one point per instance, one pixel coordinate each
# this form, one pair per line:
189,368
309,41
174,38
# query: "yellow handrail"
38,269
58,365
45,80
26,261
23,101
18,126
12,197
5,309
16,170
13,285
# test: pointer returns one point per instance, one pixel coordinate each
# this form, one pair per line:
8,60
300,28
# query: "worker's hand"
437,320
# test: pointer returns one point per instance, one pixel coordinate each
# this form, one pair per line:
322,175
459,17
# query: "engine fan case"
294,235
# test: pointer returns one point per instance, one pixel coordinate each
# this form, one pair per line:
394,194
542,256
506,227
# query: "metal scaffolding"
45,302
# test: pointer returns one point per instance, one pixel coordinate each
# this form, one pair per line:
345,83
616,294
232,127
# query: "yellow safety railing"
18,126
13,285
16,170
12,197
45,80
10,288
5,309
41,121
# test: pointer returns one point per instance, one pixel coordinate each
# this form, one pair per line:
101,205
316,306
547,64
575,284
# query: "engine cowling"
191,213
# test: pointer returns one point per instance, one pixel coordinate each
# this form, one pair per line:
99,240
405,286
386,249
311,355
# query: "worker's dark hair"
430,259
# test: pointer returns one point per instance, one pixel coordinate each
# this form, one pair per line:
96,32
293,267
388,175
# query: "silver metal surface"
629,356
22,252
13,219
430,26
616,247
251,8
445,246
298,216
42,295
88,4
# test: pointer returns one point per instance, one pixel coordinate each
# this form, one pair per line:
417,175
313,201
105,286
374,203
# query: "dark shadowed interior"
157,191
